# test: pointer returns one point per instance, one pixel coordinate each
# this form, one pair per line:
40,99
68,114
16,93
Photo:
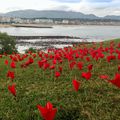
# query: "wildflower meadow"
74,83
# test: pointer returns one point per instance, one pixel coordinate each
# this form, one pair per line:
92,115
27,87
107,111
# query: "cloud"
97,7
67,1
98,1
61,7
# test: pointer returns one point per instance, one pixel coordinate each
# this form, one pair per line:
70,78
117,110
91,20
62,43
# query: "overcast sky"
97,7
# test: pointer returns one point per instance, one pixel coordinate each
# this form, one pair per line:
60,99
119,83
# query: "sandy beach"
5,25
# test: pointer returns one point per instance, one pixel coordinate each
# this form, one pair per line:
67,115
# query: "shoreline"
26,25
51,25
31,25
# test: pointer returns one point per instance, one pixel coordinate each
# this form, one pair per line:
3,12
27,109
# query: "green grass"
96,99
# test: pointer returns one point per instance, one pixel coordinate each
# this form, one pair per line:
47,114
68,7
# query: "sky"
97,7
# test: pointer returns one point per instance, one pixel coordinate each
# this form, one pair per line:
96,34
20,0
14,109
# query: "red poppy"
76,85
14,58
119,56
111,57
40,63
118,45
76,55
54,61
60,61
116,80
13,65
104,76
57,74
6,62
119,68
31,60
60,68
34,55
52,67
10,75
72,64
80,65
47,112
46,65
0,56
87,59
12,89
90,67
86,75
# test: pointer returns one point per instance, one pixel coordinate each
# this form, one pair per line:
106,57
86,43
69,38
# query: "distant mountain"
1,14
49,14
113,17
56,14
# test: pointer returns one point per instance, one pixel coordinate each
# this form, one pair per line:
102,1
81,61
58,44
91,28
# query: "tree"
7,44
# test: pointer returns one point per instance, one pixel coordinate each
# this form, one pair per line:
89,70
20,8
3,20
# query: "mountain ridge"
30,13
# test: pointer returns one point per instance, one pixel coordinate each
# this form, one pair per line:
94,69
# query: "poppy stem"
51,72
43,74
15,98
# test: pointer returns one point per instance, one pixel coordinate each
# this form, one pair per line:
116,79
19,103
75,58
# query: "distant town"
57,21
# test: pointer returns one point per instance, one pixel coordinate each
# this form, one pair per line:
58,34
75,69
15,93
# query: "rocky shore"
45,37
45,42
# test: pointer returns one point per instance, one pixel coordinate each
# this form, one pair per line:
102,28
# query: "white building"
43,20
5,19
65,21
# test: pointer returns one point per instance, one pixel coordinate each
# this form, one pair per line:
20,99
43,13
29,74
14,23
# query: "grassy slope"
95,100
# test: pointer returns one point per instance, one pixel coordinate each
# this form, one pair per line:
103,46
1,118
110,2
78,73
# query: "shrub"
33,50
7,44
